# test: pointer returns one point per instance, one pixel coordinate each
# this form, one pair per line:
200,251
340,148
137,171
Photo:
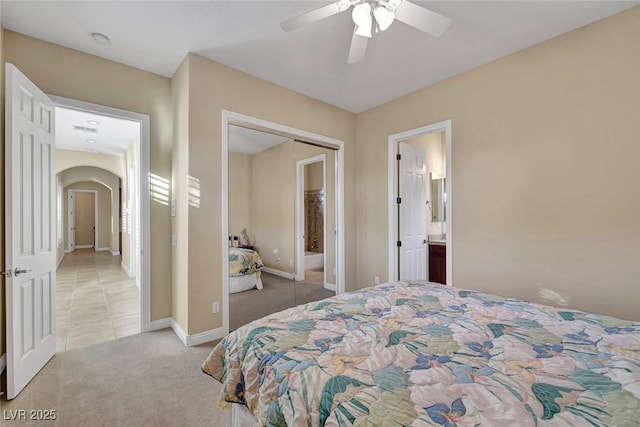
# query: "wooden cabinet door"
438,264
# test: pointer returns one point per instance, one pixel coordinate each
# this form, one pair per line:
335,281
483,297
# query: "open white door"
412,213
30,230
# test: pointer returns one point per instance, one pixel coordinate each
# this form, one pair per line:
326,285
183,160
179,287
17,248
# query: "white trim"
392,185
84,247
125,267
103,249
206,336
179,331
186,339
3,362
115,253
300,184
67,251
330,286
254,123
156,325
280,273
144,207
60,261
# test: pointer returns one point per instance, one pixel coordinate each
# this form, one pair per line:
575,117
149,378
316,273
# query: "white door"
30,228
412,213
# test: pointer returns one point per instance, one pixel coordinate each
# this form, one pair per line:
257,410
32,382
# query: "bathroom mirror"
438,200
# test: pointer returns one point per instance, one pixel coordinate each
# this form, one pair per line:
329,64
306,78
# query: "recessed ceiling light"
91,140
100,39
93,122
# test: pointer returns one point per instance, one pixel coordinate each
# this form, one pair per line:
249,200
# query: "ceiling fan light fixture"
343,5
362,14
384,17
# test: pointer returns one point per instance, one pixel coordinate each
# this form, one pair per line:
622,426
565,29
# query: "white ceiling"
156,35
249,141
111,136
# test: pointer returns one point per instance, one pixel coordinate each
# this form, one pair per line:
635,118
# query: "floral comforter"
428,355
243,262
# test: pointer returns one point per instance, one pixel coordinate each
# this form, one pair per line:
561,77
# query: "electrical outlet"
278,260
376,280
215,307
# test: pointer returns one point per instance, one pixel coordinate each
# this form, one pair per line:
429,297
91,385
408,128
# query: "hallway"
96,301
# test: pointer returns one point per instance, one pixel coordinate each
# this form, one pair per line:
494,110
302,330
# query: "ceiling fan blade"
423,19
358,48
311,17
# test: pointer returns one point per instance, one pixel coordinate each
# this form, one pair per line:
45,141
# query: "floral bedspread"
243,262
428,355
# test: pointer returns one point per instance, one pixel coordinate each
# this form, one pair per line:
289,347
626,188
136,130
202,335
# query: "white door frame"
300,184
445,127
229,117
133,221
144,206
71,221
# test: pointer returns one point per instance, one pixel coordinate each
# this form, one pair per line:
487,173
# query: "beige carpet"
277,294
148,379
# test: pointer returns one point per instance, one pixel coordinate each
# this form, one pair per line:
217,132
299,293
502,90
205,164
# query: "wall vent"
85,129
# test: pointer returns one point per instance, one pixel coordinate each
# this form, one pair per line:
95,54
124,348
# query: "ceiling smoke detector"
100,38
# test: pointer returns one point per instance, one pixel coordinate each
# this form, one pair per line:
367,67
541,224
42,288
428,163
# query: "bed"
245,268
421,354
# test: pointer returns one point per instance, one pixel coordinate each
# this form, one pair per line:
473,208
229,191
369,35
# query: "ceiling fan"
374,15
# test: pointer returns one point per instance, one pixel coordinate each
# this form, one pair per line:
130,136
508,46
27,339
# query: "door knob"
18,271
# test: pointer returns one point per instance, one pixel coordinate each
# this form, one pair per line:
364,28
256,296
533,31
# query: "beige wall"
545,170
212,88
66,159
179,173
72,74
273,196
240,177
313,179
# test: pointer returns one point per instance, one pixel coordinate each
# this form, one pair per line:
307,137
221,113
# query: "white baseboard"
103,249
84,246
67,251
275,272
187,340
3,362
330,287
206,336
60,262
115,253
138,284
125,267
156,325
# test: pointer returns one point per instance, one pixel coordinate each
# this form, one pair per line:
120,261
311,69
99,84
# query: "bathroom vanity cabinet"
438,263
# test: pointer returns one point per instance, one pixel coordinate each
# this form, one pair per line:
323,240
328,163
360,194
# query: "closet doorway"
266,169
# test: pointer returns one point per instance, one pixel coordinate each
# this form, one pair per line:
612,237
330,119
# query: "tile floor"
96,301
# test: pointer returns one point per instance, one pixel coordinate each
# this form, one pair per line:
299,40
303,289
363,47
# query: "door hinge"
399,243
398,156
7,273
398,200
